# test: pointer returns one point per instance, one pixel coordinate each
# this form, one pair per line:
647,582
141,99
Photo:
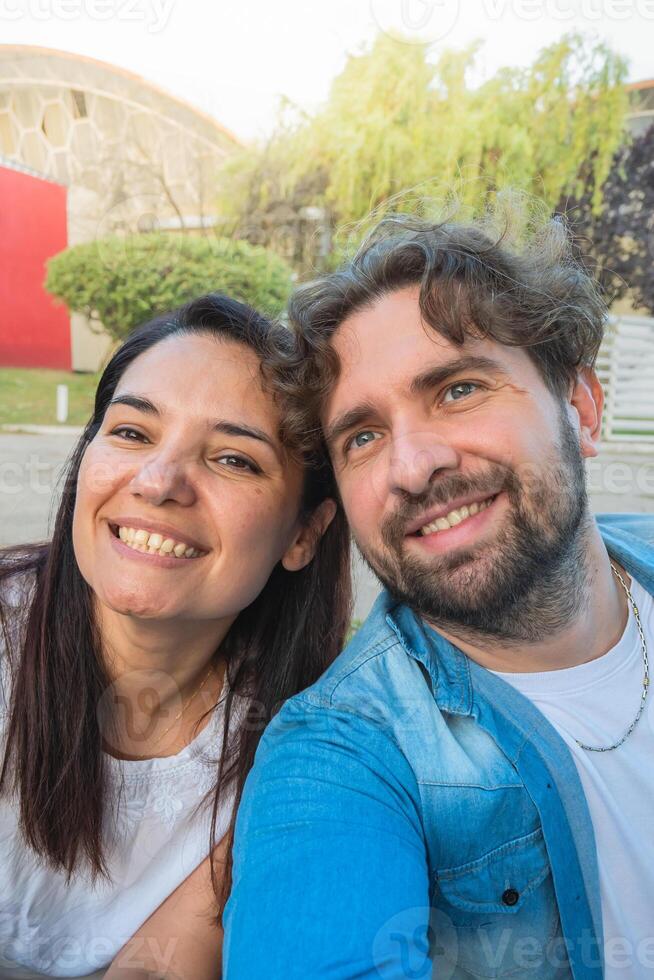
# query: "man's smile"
458,527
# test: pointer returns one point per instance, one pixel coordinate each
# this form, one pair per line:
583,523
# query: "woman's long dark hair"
276,647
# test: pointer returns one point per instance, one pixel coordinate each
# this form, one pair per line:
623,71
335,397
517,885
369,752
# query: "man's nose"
161,478
416,459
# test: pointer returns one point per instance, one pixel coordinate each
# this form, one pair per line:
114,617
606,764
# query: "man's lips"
435,513
469,532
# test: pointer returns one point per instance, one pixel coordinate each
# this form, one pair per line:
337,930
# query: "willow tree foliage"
401,128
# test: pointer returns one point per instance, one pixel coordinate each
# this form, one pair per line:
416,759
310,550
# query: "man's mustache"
446,489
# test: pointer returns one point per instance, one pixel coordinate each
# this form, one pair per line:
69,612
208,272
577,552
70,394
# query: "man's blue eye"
460,390
363,438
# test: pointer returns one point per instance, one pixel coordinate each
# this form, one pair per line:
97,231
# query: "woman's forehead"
184,360
199,375
185,352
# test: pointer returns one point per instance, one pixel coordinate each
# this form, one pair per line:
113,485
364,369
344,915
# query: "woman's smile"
153,537
161,551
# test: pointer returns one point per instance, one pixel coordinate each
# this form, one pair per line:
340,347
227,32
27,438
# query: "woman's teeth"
455,517
155,544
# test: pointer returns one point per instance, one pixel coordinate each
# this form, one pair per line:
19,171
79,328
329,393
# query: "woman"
198,576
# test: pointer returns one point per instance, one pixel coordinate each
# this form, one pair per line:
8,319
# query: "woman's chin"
139,604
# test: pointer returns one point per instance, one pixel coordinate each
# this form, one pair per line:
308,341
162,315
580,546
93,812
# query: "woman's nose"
416,459
160,479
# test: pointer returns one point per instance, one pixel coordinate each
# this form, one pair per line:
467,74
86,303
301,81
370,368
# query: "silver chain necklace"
643,697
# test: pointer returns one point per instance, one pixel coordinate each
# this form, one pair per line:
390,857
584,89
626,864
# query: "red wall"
34,332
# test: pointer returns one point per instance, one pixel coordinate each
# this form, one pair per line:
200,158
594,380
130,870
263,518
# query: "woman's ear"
304,545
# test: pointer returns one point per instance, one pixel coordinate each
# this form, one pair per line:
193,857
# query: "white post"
62,403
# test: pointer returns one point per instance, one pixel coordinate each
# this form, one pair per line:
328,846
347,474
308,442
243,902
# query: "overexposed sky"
234,58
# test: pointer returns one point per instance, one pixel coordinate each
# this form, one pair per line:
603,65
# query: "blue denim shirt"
412,815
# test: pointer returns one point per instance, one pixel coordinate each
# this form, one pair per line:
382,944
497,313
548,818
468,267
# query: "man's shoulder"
638,526
365,686
360,662
629,538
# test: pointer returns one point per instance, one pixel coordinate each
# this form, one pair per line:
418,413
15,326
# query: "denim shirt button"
510,896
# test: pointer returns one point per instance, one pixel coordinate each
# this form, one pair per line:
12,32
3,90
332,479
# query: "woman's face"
185,498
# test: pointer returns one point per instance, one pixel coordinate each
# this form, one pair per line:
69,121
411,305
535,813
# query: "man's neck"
600,619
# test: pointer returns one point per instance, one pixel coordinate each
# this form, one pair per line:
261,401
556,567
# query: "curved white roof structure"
129,152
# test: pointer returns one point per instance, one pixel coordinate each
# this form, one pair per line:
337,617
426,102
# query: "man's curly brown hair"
473,284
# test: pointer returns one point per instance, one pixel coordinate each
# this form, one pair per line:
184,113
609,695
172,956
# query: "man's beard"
525,584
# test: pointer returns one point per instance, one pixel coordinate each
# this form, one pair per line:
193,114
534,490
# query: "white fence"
626,369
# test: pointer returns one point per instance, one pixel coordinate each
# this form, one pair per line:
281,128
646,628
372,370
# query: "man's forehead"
389,329
393,338
385,346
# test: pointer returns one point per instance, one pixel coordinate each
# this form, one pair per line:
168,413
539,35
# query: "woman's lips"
154,558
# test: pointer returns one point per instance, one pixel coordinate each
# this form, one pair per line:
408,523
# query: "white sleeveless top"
54,929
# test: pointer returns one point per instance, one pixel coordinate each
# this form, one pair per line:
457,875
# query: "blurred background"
152,150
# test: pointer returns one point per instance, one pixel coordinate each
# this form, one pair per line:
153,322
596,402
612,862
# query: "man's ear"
306,541
587,402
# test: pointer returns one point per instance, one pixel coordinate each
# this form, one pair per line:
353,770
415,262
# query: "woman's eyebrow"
249,432
222,425
137,402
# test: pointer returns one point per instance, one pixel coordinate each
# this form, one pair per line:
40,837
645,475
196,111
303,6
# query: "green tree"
119,283
618,243
400,129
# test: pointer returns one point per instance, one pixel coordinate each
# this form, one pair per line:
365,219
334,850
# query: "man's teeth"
455,517
155,544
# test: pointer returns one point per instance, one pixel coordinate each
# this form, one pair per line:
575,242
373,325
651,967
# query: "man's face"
460,472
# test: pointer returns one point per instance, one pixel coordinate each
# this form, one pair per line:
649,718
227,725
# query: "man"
468,791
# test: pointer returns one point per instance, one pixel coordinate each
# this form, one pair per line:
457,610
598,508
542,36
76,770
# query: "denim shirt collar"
447,667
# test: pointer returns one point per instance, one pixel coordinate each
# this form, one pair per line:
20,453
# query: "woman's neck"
164,675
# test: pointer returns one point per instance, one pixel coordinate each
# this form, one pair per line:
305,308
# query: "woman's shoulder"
18,574
17,588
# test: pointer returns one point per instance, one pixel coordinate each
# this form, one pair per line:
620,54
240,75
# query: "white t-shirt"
596,702
51,928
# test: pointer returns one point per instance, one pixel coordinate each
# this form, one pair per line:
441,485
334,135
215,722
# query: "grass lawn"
29,395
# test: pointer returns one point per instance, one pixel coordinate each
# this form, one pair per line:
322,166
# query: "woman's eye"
129,435
460,390
238,463
362,439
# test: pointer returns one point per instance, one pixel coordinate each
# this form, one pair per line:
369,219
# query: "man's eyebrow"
435,376
428,379
222,425
348,420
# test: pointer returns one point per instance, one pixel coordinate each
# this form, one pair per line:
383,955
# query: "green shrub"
122,282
